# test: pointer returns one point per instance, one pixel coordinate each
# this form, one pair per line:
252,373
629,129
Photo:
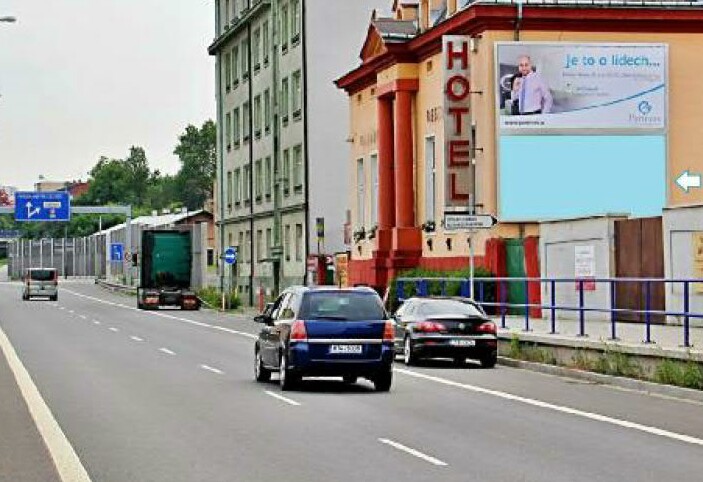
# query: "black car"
445,327
325,332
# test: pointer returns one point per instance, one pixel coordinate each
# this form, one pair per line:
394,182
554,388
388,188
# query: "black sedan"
455,328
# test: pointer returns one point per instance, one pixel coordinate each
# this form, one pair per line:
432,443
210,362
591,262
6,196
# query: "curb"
621,382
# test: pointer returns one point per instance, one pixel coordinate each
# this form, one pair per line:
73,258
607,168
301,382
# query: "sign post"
230,257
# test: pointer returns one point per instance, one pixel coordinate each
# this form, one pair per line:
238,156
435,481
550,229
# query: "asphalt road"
170,396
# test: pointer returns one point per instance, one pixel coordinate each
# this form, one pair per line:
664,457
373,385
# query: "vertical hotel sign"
457,121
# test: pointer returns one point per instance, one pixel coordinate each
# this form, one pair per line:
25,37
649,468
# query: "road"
169,396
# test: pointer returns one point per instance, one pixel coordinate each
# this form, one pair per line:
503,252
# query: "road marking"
61,308
282,398
211,369
71,311
136,338
558,408
113,329
413,452
167,351
82,317
234,332
67,463
96,322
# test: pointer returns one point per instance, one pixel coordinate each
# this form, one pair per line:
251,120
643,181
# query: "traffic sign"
42,206
456,221
116,252
231,255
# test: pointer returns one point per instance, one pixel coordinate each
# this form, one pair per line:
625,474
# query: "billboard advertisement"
571,87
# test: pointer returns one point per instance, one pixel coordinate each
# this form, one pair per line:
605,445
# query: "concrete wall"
558,241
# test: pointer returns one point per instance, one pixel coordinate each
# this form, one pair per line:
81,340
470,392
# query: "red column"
404,199
386,183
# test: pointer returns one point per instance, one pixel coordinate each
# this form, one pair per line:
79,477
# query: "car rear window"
42,274
449,307
342,306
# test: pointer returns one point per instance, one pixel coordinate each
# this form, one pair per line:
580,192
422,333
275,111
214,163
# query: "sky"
85,78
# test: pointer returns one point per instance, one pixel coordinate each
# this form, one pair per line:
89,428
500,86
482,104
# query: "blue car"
326,332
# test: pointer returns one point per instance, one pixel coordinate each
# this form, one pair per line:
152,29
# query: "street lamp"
8,19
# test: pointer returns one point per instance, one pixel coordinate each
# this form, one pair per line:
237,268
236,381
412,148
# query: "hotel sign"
457,121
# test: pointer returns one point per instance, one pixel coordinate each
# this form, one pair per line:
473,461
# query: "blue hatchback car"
325,332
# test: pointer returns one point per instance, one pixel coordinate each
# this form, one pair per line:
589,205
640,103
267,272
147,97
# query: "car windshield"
342,306
42,274
450,307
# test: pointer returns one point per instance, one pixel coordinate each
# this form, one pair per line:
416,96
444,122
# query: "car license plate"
462,342
346,349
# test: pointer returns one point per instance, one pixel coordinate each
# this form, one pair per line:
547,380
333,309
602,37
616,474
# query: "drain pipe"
518,21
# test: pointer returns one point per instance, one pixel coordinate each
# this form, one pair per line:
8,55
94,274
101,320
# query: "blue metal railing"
421,286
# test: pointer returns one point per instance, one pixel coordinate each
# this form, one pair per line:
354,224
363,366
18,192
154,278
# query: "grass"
212,297
683,374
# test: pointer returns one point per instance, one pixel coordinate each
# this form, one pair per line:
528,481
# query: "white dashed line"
413,452
282,398
82,317
211,369
71,311
96,322
136,338
167,351
113,329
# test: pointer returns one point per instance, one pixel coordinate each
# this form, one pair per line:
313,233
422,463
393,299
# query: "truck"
166,262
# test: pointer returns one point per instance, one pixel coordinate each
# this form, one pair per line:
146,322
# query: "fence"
492,293
72,257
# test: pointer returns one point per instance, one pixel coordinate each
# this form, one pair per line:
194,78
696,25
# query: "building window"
286,172
247,247
257,116
296,94
237,186
235,66
430,179
259,245
244,51
268,180
240,247
247,183
265,41
298,242
286,242
360,194
228,71
284,27
228,131
257,50
374,190
258,184
267,111
295,22
268,242
298,167
245,121
229,190
284,100
237,127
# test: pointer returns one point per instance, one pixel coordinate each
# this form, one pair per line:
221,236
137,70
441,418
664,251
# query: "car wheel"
409,357
54,298
489,361
383,381
287,379
261,374
350,379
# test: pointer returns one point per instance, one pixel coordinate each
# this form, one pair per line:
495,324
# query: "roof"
156,221
392,29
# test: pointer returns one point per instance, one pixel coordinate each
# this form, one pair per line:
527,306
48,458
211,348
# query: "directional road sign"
116,252
42,206
688,180
231,255
455,221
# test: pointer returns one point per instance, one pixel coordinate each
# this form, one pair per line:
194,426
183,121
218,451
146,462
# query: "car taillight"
298,331
488,327
430,327
389,332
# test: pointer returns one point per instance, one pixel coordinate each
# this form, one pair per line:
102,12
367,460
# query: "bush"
212,297
687,375
451,288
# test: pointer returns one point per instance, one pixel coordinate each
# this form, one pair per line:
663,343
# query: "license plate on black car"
463,342
346,349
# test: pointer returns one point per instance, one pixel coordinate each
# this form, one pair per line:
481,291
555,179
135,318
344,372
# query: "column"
404,201
386,182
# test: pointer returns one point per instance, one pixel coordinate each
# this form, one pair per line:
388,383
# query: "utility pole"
277,251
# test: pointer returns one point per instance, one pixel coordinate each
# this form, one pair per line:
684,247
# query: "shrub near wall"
452,288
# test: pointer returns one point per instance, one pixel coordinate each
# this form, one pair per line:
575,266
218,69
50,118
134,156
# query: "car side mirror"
264,319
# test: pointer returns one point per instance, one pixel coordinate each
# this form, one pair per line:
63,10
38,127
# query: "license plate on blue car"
346,349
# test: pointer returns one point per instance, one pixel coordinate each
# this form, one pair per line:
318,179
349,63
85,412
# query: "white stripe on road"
113,329
558,408
282,398
68,465
71,311
61,308
211,369
96,322
413,452
167,351
235,332
136,338
82,317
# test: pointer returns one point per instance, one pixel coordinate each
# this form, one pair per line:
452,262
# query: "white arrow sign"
31,212
687,180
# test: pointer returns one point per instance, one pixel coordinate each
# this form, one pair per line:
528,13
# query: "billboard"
571,87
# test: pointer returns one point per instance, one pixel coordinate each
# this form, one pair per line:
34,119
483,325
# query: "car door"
268,337
288,311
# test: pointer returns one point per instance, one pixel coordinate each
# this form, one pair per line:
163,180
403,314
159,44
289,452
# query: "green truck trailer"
166,264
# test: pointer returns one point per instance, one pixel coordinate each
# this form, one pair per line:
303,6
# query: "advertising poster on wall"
585,267
568,87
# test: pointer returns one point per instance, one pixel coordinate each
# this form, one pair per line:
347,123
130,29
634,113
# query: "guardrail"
116,286
422,288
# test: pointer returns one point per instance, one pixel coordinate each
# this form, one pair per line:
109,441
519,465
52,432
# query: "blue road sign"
231,255
116,252
42,206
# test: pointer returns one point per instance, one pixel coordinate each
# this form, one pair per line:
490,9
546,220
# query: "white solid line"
67,463
282,398
136,338
413,452
235,332
167,351
82,317
114,329
558,408
211,369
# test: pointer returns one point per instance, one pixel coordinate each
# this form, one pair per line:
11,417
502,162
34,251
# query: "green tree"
196,151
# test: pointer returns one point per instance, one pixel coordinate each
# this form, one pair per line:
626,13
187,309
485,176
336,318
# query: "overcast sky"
85,78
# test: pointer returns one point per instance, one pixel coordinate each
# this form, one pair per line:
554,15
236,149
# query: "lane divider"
413,452
136,338
167,351
282,398
212,369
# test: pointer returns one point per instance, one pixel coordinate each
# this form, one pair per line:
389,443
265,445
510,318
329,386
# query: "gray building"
282,129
